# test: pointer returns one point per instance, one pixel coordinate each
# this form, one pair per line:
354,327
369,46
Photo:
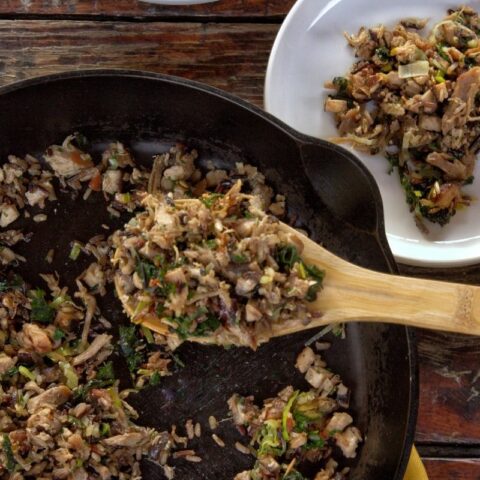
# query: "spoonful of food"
219,270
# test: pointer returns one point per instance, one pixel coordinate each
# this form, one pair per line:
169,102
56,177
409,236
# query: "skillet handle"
335,173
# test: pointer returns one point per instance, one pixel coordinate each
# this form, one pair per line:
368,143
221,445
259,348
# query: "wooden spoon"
355,294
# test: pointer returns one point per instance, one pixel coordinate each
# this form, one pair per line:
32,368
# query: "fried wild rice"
415,98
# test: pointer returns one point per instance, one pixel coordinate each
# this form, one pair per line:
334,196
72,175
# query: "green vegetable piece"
26,373
71,377
105,371
155,379
383,54
287,256
210,199
239,258
58,334
441,51
147,334
211,244
285,415
342,84
7,449
104,429
211,324
315,440
269,439
11,284
75,251
41,311
129,342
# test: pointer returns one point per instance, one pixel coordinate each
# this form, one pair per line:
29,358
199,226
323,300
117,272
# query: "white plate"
310,48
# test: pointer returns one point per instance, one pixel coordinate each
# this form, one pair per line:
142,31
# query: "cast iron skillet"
329,193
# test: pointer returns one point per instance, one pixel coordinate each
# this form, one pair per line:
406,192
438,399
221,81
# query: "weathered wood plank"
449,469
229,56
449,388
272,9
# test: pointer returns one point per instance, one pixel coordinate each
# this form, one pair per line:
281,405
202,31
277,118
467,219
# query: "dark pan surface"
329,194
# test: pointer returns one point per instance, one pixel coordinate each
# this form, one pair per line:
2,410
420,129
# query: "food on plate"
297,427
416,99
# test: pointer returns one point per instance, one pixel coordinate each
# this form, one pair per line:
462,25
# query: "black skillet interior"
329,194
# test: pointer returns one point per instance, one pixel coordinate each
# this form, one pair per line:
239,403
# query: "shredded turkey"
416,99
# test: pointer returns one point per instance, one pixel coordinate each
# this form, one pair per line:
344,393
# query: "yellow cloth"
415,468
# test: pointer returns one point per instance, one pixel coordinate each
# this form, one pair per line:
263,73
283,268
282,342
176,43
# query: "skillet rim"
301,140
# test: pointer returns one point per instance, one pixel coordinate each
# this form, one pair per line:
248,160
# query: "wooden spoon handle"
353,293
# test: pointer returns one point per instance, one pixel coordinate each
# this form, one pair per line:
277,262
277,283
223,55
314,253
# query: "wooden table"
226,44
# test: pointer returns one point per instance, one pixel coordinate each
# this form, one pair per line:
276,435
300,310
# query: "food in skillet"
299,427
415,99
62,412
214,266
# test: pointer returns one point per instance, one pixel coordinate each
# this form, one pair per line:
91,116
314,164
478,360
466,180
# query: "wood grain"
453,469
229,56
266,9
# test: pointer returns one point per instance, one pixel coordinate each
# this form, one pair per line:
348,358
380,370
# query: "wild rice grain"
242,448
198,429
169,472
184,453
49,256
193,458
212,421
41,217
218,440
189,429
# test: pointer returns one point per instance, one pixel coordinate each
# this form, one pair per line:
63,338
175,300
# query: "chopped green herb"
210,199
441,51
315,441
287,256
129,343
10,463
383,54
41,311
469,180
104,429
58,334
155,379
14,283
209,325
81,392
211,244
239,258
146,271
105,371
147,333
342,84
